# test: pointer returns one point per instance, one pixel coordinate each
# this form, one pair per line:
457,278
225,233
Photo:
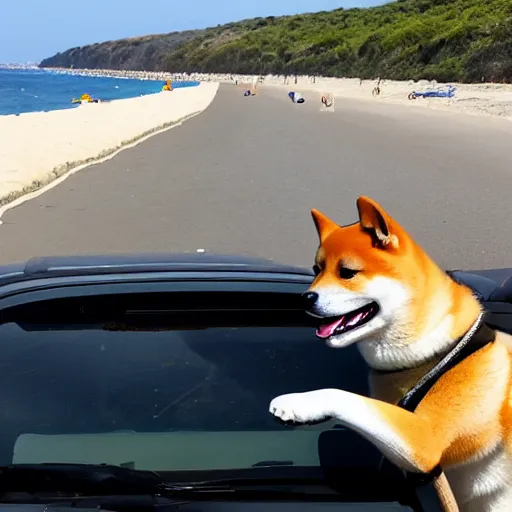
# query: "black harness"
476,338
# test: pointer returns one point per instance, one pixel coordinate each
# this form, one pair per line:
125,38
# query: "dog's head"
373,282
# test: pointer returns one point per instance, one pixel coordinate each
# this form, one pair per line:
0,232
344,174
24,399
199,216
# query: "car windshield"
184,398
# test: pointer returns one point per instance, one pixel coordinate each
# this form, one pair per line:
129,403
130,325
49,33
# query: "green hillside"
447,40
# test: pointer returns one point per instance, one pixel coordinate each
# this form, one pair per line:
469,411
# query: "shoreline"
117,90
42,147
486,98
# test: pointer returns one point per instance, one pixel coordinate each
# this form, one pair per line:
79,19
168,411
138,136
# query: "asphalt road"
242,177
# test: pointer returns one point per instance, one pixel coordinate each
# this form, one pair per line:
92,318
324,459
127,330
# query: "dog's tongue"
326,331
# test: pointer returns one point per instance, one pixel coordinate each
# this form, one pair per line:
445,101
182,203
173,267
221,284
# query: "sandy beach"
490,99
37,148
482,99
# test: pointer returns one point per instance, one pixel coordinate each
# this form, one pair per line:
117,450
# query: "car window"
164,399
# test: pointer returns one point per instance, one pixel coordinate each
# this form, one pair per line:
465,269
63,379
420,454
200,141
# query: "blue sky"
34,29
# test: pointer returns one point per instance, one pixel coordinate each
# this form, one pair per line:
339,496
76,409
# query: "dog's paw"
299,407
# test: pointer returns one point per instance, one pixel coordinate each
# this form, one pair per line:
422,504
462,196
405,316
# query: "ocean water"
39,90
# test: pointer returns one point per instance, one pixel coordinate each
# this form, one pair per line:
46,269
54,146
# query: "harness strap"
478,336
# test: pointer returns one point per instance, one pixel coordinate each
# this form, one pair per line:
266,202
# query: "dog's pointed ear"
375,220
324,225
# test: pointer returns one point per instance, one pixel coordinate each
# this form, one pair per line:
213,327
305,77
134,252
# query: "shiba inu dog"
376,287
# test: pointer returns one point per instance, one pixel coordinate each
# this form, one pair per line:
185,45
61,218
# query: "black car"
137,382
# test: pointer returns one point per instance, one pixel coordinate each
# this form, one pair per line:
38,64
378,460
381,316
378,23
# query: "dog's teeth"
355,320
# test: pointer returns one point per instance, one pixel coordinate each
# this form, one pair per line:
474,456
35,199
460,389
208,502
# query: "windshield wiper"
280,488
87,479
332,484
254,488
106,480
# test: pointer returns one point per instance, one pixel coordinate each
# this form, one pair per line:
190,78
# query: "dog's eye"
347,273
316,269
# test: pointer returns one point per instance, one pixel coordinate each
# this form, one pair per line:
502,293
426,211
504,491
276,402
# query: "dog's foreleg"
402,437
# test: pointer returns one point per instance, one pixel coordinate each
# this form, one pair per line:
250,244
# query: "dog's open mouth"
347,322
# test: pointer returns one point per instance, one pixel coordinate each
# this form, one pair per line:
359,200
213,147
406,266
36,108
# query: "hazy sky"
34,29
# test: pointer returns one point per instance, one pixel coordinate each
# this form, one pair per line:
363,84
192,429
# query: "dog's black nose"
310,299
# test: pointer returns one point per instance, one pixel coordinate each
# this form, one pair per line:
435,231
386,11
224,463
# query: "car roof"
494,284
143,263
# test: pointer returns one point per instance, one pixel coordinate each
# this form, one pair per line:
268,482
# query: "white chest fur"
484,484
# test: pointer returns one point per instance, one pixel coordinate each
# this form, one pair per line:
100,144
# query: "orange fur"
353,244
455,408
